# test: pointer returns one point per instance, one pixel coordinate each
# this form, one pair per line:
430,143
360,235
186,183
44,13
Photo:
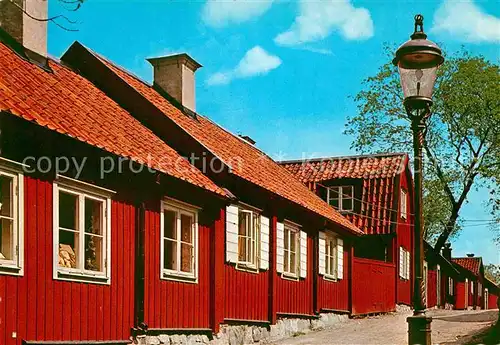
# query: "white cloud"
318,19
220,13
255,62
466,21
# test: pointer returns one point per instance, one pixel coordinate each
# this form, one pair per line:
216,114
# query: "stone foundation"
244,334
403,308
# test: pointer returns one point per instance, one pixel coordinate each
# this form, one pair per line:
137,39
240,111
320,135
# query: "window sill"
290,276
330,278
191,279
247,268
10,269
82,278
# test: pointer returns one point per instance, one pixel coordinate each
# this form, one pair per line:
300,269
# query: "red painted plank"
3,321
75,311
49,282
30,264
66,309
40,260
92,325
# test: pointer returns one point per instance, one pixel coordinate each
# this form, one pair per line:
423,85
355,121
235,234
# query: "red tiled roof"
247,161
375,212
366,167
69,104
472,264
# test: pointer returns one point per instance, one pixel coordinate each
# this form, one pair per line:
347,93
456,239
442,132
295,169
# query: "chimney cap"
470,255
176,58
247,139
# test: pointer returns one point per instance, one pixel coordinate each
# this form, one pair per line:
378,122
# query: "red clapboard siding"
405,239
172,304
335,295
492,302
373,286
37,307
295,297
246,294
460,299
431,288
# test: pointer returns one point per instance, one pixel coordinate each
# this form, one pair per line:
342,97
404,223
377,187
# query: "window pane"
93,253
169,227
332,265
170,259
293,263
243,233
186,257
293,241
6,239
286,259
347,204
347,192
334,197
68,249
287,239
68,211
93,216
186,228
6,194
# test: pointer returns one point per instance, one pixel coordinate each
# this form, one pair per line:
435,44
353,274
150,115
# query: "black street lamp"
418,60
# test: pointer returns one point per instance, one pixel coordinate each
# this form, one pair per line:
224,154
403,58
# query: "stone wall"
244,334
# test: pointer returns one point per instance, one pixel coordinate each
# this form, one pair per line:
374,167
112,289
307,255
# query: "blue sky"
283,72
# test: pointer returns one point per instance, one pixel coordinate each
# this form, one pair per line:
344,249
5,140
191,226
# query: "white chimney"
31,33
175,75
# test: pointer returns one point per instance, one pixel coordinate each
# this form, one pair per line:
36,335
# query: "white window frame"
180,208
82,190
15,266
340,197
251,261
404,274
293,231
404,204
331,272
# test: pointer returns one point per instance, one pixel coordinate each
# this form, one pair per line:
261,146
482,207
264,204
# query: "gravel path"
448,326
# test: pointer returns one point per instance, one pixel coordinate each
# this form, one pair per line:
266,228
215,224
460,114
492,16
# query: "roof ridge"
318,159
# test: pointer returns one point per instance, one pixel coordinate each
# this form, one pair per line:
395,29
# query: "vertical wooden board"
132,266
40,260
115,263
149,270
156,267
84,318
49,283
3,315
126,270
76,314
66,311
10,308
119,267
58,315
100,313
92,323
31,262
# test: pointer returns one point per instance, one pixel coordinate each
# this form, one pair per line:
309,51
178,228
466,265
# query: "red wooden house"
284,253
77,235
470,291
375,193
440,278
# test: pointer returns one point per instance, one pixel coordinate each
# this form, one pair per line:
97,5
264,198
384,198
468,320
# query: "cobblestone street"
448,327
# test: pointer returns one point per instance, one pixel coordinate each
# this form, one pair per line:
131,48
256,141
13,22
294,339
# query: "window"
248,238
82,231
404,264
11,220
291,250
179,246
331,256
404,203
341,197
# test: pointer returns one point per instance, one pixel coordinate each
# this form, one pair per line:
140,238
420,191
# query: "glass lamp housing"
418,61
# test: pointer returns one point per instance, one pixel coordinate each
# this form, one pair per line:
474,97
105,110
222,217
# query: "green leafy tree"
462,144
492,272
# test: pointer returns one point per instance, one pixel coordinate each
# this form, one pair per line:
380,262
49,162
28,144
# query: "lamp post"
418,60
